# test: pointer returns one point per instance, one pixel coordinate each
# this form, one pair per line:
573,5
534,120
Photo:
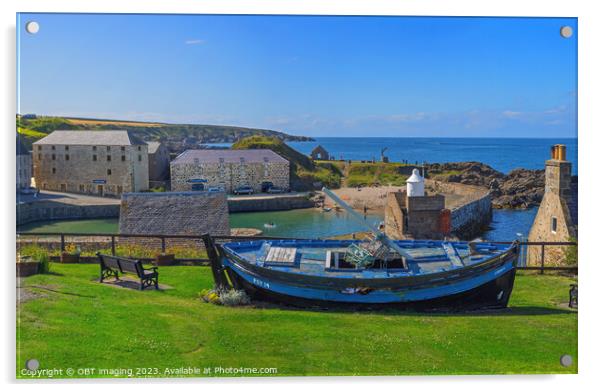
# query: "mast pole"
380,236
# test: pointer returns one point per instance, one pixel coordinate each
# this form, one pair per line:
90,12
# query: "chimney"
558,152
558,172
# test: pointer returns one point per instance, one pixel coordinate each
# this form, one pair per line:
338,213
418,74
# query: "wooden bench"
113,265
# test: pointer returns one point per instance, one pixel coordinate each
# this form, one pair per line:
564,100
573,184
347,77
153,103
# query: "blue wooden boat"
430,275
381,272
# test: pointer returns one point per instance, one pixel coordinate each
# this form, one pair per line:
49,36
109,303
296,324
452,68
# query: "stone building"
172,213
24,166
158,164
104,163
228,170
320,153
556,219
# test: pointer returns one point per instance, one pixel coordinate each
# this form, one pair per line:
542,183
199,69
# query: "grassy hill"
365,174
35,128
304,171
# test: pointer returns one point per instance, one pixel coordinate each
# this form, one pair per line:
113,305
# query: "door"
63,187
101,190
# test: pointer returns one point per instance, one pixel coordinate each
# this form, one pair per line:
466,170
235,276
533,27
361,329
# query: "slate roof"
153,147
91,138
229,156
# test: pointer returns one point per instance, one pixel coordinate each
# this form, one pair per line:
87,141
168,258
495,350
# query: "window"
66,148
108,158
53,157
39,148
554,224
93,148
108,172
123,158
139,148
40,156
108,148
53,148
54,170
94,158
122,148
139,158
82,188
66,157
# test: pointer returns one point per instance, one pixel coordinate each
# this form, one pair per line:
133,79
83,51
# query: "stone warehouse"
158,163
104,163
228,170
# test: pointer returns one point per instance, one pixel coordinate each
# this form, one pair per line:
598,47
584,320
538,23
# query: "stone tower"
415,215
556,219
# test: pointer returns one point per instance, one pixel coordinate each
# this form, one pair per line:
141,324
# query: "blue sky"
316,76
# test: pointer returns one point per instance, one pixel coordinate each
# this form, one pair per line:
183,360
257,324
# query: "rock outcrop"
521,188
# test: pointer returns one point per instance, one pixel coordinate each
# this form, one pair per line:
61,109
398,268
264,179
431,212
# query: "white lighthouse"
415,184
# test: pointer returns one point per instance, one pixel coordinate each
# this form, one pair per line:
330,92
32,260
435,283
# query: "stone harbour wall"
48,210
469,220
269,203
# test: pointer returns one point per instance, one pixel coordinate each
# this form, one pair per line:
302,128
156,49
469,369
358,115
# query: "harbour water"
307,223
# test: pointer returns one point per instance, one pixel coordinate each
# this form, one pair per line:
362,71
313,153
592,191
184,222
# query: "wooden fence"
163,240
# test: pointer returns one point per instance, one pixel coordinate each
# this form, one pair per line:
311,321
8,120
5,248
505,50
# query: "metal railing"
163,238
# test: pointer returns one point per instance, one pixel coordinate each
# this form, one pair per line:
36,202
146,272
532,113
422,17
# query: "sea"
502,154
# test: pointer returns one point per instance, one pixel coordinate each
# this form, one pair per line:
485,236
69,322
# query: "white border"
589,26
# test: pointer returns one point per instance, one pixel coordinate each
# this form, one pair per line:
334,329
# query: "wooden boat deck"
307,257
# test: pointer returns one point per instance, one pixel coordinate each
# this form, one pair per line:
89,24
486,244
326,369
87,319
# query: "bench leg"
106,273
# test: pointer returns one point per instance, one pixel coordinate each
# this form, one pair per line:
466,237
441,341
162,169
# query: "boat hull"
485,296
485,285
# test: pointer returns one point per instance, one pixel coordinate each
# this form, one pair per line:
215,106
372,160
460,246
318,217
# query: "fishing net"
364,254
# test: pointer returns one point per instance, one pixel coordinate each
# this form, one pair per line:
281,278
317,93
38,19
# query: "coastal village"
76,174
257,195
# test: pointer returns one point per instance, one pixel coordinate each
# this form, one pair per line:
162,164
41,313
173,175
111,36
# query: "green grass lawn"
72,321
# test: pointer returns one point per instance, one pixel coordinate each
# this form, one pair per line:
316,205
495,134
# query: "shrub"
230,297
570,253
234,298
39,254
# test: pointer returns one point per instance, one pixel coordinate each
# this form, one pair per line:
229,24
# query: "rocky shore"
521,188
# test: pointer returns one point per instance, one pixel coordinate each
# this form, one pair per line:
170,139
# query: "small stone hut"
320,153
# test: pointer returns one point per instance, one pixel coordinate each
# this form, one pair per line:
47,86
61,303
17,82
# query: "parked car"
276,189
214,189
28,191
266,185
243,190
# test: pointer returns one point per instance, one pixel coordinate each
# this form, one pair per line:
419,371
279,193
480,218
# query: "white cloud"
511,114
195,42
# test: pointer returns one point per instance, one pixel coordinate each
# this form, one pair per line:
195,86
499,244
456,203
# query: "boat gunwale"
409,281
